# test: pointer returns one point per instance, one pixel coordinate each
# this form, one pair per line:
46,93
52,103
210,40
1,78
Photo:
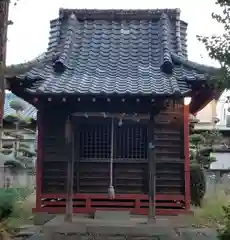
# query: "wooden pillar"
152,169
76,155
70,171
39,171
186,157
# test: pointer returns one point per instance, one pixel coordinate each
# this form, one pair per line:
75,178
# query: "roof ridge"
54,39
73,10
166,60
119,13
61,63
178,36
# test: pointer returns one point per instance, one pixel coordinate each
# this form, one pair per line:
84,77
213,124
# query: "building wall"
15,179
169,152
130,175
222,160
223,112
54,153
220,110
207,117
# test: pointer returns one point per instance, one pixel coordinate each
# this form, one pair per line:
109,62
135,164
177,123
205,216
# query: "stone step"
24,233
37,236
27,231
112,215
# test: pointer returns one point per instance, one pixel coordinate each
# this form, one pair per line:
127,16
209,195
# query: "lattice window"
95,140
131,141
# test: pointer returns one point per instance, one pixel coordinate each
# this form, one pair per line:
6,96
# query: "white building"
223,111
216,115
217,110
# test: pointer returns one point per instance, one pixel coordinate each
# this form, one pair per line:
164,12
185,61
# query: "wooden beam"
70,171
186,157
113,115
152,169
155,110
39,160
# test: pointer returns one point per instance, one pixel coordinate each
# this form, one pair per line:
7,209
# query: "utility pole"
4,10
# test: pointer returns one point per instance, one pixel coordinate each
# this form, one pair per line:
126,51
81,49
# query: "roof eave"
15,70
115,94
194,65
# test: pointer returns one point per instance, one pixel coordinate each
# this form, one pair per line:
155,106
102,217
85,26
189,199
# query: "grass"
21,215
211,213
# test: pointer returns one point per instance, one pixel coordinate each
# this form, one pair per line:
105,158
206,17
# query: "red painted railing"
135,203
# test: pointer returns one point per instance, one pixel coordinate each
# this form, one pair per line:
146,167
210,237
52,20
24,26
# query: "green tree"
218,47
18,154
201,145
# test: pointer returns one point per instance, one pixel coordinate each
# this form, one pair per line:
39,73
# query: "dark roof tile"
116,51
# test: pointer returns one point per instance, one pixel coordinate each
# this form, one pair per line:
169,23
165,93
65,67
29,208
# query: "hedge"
198,184
8,198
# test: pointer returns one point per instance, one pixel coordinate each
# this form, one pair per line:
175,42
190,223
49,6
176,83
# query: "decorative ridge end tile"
166,61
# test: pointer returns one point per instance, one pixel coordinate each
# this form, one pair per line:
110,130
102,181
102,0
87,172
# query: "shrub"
198,184
7,201
211,213
8,198
224,233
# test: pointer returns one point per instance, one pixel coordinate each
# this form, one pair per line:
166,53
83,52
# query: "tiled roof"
29,112
116,51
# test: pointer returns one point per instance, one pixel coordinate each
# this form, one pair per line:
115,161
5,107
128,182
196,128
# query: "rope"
111,190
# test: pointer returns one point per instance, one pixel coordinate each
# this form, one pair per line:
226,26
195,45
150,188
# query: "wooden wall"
169,141
54,153
91,171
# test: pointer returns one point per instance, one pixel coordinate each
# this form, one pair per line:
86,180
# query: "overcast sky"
28,37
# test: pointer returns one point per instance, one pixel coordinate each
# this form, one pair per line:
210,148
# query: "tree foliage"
198,184
18,155
212,138
201,145
224,232
218,47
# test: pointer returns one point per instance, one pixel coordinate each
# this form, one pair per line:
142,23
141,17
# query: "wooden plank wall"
54,154
91,174
170,150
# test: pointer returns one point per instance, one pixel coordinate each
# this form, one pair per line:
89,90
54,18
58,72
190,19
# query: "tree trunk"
4,9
